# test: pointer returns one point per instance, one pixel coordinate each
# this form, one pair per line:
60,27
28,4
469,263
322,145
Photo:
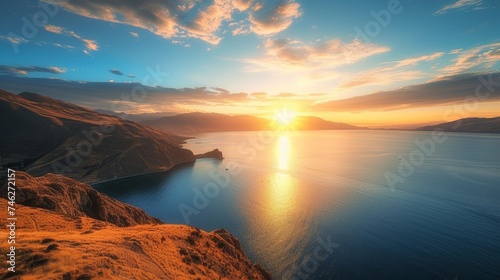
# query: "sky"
375,63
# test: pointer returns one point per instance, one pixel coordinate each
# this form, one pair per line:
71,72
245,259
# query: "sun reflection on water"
283,152
279,216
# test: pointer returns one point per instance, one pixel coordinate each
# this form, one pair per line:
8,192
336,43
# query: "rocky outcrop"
212,154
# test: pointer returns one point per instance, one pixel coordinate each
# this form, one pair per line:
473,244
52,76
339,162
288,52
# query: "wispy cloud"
390,73
483,57
416,60
136,35
13,40
381,76
109,95
24,70
447,90
90,45
190,18
120,73
460,4
289,55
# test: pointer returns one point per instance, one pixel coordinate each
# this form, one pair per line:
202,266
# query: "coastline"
141,174
215,154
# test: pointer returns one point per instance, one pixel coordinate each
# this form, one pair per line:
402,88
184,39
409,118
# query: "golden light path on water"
278,217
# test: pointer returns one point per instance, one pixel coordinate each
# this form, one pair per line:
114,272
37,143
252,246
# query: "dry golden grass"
54,246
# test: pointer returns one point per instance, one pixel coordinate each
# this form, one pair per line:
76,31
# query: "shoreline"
209,154
141,174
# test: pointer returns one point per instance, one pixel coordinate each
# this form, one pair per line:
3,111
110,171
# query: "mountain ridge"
198,122
474,124
46,135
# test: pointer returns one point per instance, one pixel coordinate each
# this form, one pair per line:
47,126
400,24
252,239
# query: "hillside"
315,123
45,135
479,125
207,122
70,231
212,122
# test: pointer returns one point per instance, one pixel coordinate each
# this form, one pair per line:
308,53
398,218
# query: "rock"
212,154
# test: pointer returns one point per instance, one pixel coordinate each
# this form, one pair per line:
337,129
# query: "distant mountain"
207,122
137,117
213,122
44,135
480,125
315,123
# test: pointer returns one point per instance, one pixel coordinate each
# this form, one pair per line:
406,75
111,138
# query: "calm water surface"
317,204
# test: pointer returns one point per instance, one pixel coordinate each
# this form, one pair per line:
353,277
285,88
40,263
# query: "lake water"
319,205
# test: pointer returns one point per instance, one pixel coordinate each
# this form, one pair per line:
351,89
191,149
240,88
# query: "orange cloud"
416,60
484,56
91,45
278,19
190,18
289,55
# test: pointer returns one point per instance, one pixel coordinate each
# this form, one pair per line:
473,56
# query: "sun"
284,119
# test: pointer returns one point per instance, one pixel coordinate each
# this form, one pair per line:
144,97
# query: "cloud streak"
91,45
446,91
484,56
109,95
24,70
460,4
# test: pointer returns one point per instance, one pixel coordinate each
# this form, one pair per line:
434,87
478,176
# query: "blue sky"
309,48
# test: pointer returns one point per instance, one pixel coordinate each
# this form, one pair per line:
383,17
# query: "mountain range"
190,123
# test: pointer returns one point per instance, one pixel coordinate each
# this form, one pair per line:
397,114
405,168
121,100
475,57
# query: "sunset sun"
285,118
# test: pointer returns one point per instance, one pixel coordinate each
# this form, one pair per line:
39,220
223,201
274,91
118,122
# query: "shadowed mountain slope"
44,135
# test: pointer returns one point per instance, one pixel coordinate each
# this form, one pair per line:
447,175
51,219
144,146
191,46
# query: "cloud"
416,60
116,72
241,30
394,72
134,34
289,55
242,5
13,40
110,95
274,19
381,76
120,73
460,4
190,18
91,45
446,91
24,70
484,57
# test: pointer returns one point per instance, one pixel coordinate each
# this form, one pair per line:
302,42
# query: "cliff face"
44,135
72,198
70,231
